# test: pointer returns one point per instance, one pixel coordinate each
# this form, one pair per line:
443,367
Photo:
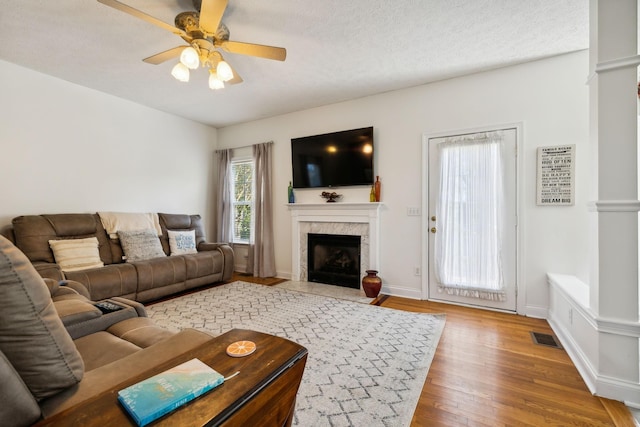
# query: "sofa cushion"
107,377
76,254
182,242
32,336
140,331
180,222
159,273
101,348
33,232
140,245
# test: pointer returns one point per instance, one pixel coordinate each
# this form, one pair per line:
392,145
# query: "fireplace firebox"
334,259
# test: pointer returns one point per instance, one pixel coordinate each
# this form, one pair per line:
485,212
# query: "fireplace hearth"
334,259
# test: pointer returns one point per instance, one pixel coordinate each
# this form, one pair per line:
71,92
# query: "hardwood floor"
487,371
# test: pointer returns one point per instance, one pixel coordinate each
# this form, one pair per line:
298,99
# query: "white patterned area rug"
366,364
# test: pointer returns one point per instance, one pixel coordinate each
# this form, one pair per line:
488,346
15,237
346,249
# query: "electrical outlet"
412,211
416,271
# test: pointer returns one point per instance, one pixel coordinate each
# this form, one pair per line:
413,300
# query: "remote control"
107,307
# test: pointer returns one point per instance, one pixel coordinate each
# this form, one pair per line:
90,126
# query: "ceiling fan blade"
211,14
262,51
161,57
138,14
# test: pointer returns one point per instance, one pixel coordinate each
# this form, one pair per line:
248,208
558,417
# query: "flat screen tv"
336,159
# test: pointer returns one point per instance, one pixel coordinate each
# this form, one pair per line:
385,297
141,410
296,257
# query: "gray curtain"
261,260
223,213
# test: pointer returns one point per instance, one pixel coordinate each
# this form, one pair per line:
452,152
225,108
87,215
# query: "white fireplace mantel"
341,216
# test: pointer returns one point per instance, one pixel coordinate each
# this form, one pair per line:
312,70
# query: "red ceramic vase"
371,284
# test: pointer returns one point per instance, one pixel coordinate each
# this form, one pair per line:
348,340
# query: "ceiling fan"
206,35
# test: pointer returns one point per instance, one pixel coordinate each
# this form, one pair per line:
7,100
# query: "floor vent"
545,339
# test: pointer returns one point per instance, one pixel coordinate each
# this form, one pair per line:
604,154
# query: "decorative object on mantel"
371,284
292,197
372,194
376,186
331,197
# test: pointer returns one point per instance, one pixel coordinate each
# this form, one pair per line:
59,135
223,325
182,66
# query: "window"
242,199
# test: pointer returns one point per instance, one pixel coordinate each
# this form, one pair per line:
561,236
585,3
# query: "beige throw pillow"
32,336
76,254
182,242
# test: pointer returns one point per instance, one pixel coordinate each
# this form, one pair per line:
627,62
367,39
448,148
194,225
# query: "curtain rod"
243,146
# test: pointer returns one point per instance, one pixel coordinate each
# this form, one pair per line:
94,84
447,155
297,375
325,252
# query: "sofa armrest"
142,312
117,375
77,287
72,311
87,326
227,253
49,270
210,246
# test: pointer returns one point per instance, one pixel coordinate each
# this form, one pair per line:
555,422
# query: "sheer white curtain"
224,216
469,213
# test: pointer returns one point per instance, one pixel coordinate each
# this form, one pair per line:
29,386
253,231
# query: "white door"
473,259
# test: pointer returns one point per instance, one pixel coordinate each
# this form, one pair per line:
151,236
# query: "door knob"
433,230
433,218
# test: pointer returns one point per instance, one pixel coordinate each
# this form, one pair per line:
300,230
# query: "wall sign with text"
556,175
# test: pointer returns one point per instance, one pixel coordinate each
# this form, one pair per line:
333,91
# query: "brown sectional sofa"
140,280
58,351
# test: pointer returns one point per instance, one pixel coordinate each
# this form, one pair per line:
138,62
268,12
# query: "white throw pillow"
182,242
76,254
139,245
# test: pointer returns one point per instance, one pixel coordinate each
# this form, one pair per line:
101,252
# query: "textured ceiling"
336,49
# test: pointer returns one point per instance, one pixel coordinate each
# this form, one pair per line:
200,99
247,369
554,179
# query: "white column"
614,211
615,138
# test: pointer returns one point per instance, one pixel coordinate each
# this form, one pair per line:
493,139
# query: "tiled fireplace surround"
355,219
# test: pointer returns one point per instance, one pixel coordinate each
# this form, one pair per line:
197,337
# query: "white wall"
66,148
549,97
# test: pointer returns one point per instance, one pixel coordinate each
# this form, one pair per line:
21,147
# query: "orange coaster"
241,348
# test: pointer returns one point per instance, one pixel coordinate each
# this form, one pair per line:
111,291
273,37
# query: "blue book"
156,396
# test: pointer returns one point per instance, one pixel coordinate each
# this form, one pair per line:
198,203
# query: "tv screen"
333,159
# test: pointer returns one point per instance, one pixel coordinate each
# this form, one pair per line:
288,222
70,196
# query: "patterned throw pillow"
139,245
182,242
76,254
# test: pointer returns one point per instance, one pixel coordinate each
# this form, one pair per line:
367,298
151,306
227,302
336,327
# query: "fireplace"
334,259
353,219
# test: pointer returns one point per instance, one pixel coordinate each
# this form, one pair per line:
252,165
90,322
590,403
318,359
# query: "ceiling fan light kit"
214,82
205,33
180,72
224,71
189,57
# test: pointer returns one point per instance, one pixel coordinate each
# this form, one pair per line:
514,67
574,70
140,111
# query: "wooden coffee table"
262,394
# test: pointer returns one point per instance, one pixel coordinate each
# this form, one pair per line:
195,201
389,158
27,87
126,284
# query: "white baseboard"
577,356
583,334
397,291
534,311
